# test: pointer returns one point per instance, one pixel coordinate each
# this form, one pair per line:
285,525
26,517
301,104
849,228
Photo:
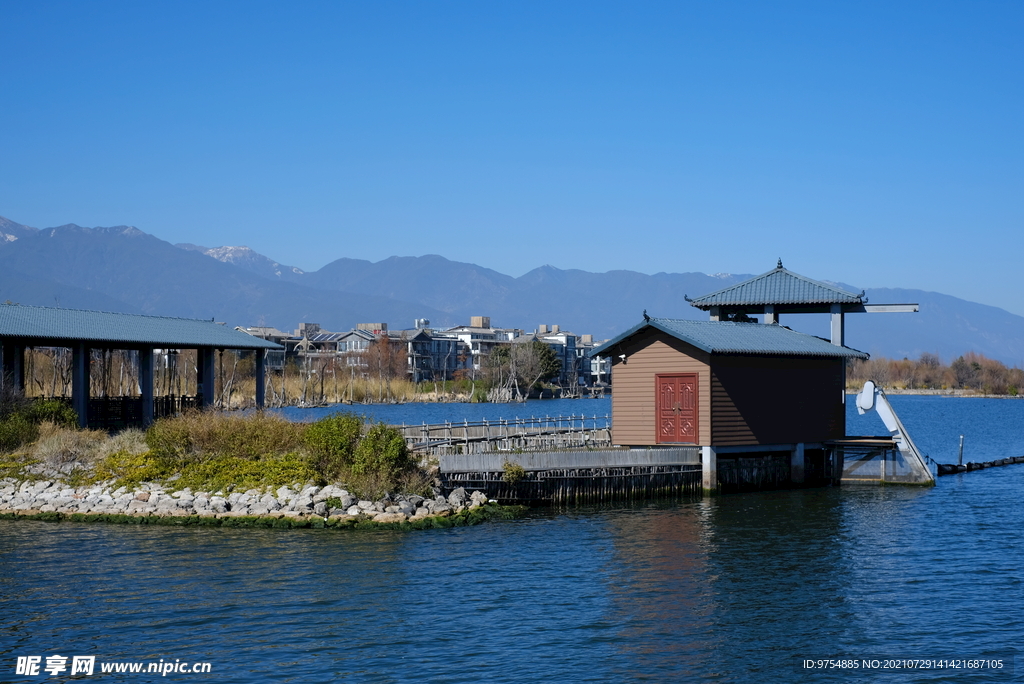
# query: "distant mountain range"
124,269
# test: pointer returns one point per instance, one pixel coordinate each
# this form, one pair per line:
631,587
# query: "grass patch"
225,473
212,451
129,470
222,473
17,466
201,435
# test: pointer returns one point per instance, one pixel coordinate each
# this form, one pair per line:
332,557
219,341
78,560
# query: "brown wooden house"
750,395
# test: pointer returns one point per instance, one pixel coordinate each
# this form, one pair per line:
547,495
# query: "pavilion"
25,327
780,291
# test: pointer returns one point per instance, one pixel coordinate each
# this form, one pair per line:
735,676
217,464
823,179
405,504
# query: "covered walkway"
26,327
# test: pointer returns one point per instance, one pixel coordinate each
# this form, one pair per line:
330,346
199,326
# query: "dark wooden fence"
581,485
580,475
118,413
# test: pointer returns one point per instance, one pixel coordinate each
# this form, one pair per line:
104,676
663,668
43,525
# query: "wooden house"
754,397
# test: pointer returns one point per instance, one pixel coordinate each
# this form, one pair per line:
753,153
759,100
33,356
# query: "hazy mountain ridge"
247,258
145,274
122,268
11,231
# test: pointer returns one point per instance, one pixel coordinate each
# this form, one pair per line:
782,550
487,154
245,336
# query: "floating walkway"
954,468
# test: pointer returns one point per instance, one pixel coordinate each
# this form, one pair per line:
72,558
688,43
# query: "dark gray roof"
777,286
726,337
328,337
45,324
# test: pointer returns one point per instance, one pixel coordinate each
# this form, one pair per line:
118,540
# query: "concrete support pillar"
770,318
13,366
839,338
838,463
261,379
796,464
146,384
206,377
709,461
80,354
838,325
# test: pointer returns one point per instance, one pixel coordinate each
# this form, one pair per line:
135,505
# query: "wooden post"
206,377
13,366
146,384
80,383
261,377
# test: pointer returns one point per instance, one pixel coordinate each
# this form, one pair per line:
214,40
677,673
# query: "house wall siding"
772,400
634,403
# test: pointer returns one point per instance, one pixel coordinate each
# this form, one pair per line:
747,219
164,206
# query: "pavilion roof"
777,287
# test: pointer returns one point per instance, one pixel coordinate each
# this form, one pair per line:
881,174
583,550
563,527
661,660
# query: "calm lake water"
726,589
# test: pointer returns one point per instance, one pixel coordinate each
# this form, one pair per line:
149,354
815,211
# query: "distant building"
480,339
597,370
275,359
434,354
430,356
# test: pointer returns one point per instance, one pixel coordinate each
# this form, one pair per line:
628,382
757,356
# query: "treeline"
971,371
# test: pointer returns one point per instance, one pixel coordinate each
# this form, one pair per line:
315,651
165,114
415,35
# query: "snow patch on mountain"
244,257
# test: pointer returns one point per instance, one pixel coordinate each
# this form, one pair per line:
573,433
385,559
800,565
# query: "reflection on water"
662,590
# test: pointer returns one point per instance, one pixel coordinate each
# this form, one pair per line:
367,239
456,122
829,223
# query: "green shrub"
380,464
52,411
169,438
512,472
16,430
331,442
382,451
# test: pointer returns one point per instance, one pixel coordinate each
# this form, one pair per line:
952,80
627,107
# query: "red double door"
677,408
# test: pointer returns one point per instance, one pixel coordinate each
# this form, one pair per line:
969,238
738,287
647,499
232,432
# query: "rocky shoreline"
310,506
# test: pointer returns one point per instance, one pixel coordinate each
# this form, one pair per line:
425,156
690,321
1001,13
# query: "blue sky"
879,144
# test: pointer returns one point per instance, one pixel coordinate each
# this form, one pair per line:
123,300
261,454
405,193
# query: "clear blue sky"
880,144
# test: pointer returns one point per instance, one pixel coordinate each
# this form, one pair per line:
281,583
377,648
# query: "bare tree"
385,360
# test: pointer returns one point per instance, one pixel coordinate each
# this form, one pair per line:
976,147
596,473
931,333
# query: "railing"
468,437
117,413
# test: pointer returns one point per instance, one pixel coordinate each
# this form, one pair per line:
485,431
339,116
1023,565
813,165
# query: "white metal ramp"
879,460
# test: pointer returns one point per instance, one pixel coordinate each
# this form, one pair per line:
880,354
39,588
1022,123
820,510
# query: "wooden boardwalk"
533,434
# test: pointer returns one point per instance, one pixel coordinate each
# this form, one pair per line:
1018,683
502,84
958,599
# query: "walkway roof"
40,326
726,337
